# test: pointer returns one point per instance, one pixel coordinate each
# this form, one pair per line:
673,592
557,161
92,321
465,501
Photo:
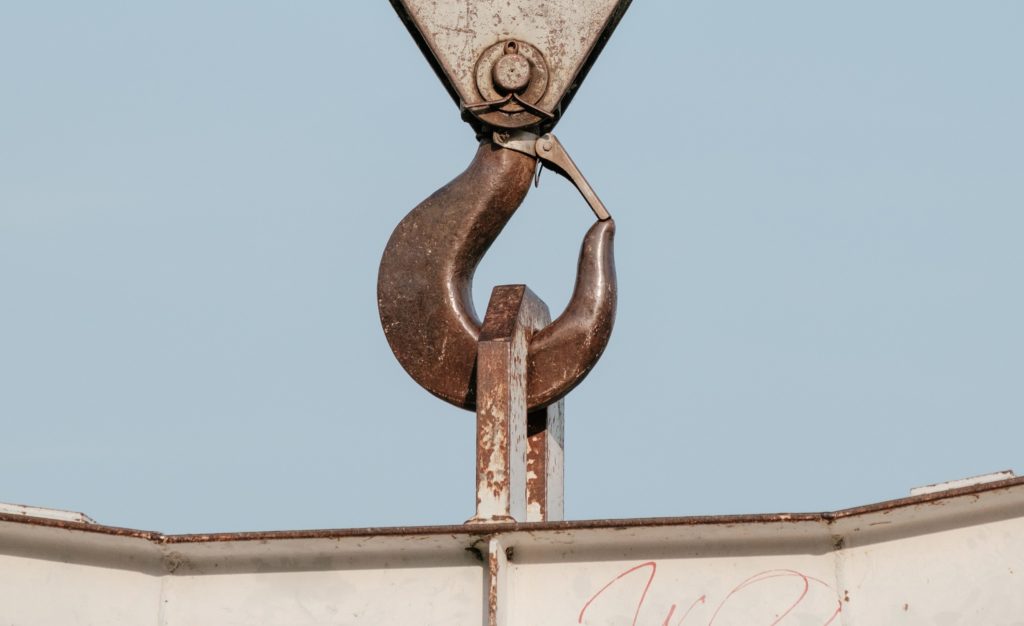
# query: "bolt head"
511,73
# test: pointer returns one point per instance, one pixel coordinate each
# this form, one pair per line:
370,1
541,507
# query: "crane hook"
424,286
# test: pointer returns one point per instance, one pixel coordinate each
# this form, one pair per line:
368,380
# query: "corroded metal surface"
454,36
424,287
564,352
497,582
545,463
514,314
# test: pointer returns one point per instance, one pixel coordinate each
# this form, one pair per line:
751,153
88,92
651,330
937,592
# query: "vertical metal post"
514,313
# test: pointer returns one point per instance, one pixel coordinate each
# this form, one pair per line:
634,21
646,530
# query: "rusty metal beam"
497,583
513,315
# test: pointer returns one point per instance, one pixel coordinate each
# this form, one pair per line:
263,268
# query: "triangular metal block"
511,63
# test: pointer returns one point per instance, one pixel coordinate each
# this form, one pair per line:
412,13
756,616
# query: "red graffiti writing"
737,595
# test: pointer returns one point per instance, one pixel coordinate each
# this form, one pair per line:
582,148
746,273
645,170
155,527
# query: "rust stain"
493,591
470,531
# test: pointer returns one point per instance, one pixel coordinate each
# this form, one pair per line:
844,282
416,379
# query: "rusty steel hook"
424,287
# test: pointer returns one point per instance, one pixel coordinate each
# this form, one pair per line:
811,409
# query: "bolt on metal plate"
558,39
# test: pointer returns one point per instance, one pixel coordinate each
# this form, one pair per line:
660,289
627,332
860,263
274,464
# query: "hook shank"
424,287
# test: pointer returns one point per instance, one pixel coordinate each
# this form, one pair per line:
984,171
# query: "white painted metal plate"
566,33
951,559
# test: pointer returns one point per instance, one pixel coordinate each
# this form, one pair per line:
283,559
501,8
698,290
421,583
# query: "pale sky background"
820,210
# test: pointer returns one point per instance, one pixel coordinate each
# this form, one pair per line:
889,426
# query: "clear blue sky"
820,210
